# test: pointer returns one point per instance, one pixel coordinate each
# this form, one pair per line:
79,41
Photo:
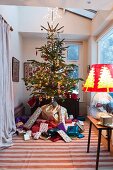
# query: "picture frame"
15,69
27,69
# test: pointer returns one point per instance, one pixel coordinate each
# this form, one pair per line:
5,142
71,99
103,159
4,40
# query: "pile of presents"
36,128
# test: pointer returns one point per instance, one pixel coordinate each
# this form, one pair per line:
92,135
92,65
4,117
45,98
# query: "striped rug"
47,155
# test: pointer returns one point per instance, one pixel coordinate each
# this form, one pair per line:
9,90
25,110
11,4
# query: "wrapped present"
55,138
69,121
61,126
26,136
32,119
35,128
37,135
20,132
80,125
73,130
64,136
43,127
52,132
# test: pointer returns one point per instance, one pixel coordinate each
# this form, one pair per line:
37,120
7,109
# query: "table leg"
98,149
109,137
89,136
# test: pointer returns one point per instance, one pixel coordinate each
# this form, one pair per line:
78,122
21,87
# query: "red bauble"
74,96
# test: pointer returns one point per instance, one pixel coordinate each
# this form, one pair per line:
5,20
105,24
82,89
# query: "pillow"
32,118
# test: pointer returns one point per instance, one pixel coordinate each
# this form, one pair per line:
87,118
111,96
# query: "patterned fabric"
32,118
63,114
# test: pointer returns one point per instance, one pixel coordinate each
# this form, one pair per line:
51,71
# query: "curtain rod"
6,22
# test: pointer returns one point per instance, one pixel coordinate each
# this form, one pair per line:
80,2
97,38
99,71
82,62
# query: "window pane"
74,74
106,49
73,52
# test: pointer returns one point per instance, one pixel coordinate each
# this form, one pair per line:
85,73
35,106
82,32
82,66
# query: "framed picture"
15,69
27,69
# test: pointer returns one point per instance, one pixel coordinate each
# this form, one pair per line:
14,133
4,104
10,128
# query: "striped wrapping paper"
48,155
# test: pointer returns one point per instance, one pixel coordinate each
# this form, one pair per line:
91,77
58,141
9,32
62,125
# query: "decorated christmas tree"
51,78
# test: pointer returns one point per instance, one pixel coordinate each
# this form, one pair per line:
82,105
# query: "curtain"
7,122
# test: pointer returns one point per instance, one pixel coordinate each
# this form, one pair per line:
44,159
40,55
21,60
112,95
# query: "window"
73,52
74,56
105,48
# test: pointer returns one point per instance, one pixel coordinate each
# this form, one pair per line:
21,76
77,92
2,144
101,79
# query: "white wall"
101,20
29,45
10,13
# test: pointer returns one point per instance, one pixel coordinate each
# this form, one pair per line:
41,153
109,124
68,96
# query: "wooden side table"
99,128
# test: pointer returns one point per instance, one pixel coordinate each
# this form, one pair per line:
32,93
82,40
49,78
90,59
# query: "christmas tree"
51,77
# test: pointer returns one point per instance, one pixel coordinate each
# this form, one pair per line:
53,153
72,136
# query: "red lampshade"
100,78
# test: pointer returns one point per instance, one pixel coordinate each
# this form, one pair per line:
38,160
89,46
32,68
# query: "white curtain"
7,123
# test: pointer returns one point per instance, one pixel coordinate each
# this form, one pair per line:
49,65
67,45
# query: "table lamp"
100,79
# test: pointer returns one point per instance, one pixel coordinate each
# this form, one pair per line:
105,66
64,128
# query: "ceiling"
78,4
83,8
